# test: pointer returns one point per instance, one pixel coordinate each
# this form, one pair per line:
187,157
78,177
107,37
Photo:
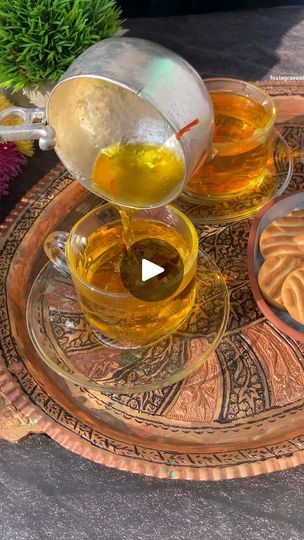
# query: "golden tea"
126,319
238,159
127,232
138,175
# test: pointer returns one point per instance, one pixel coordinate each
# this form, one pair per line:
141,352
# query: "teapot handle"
33,127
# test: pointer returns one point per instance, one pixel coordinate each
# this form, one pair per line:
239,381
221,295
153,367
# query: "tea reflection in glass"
244,116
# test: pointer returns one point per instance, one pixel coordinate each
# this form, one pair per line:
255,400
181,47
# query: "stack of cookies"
281,277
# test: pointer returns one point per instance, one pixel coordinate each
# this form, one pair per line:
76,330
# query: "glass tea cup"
244,117
91,253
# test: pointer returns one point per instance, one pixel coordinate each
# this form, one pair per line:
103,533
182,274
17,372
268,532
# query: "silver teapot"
121,90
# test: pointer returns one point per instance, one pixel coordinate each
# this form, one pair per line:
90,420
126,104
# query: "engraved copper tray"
240,415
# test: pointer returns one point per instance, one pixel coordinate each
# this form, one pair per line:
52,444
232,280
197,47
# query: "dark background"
156,8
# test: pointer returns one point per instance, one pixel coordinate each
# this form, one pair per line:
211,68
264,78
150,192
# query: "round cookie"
293,294
284,236
272,275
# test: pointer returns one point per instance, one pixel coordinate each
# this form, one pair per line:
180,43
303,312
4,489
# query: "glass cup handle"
54,247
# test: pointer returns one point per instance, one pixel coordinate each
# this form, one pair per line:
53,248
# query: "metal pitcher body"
121,90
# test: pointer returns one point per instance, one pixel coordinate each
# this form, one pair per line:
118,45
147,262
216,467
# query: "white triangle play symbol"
150,270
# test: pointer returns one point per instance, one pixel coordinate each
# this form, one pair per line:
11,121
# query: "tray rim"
83,447
11,388
13,391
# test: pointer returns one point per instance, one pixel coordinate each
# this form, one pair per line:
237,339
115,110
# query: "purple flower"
11,163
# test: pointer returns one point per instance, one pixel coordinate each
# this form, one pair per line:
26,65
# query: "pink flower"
11,163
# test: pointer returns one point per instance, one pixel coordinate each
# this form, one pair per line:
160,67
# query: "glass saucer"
203,209
67,344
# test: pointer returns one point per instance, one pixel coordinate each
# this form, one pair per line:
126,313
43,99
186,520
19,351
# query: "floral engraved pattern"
252,385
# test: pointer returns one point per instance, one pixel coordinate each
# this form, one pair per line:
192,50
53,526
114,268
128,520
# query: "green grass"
39,39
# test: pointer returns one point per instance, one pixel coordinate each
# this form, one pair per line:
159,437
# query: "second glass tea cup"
244,117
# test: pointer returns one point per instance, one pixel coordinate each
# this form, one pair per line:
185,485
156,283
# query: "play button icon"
152,269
